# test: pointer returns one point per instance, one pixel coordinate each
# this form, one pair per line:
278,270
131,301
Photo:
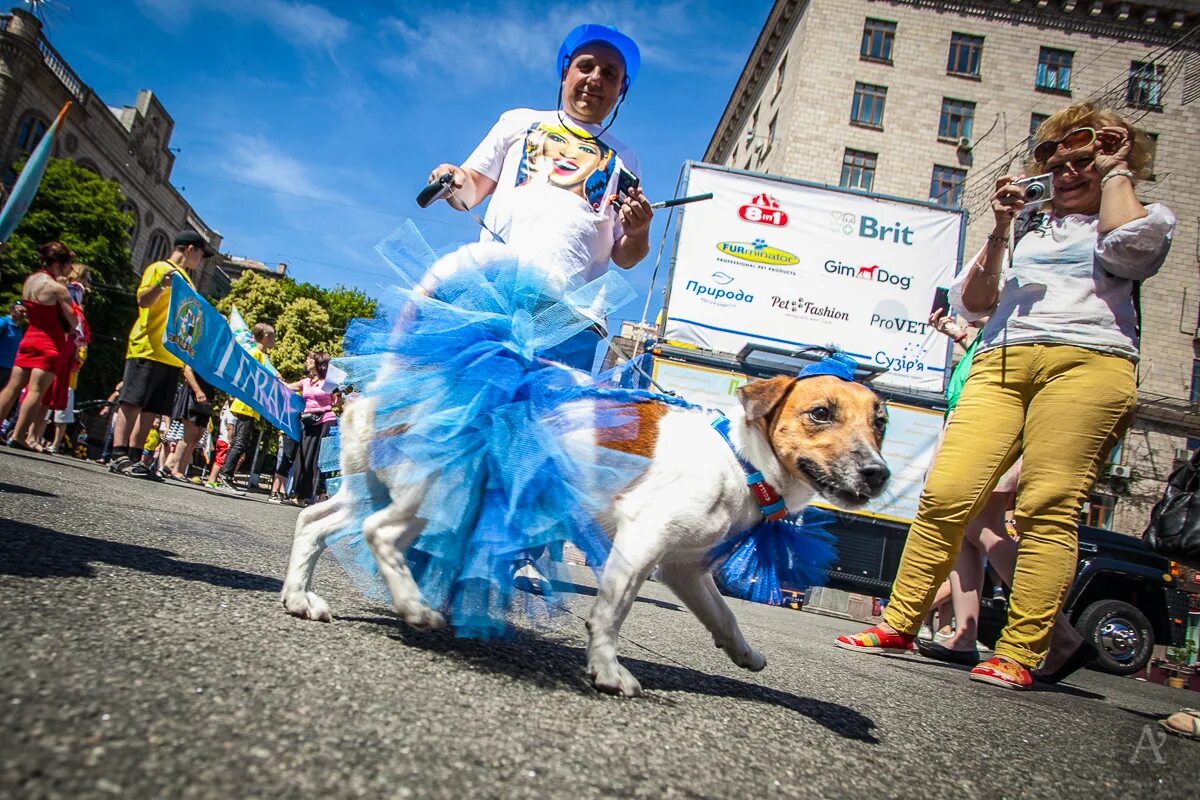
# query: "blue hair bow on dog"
839,365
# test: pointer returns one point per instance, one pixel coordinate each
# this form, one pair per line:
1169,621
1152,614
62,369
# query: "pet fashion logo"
874,273
727,297
189,322
870,228
799,307
758,252
764,210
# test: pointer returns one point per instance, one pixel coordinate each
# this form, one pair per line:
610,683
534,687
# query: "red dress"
44,341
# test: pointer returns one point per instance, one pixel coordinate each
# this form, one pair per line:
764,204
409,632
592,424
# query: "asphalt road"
144,653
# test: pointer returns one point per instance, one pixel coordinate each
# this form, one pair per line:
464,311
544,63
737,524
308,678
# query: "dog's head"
825,432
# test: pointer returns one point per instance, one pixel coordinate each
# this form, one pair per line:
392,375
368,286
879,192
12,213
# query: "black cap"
185,238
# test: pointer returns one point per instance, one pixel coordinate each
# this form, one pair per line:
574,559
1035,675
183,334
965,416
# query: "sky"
305,129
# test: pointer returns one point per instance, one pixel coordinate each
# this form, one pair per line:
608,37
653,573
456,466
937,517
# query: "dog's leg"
624,572
389,532
694,585
314,524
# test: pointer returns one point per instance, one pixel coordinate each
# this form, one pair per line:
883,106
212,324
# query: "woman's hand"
1112,147
945,324
1007,202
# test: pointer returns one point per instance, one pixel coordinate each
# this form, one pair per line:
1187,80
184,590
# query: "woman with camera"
1052,380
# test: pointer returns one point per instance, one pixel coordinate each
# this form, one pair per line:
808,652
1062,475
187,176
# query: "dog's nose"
875,474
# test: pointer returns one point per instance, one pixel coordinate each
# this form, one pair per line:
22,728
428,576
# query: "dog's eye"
819,414
880,424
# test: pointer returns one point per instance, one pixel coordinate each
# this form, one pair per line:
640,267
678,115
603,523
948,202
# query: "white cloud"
305,25
256,161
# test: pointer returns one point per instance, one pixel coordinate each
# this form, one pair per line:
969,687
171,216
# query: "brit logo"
764,210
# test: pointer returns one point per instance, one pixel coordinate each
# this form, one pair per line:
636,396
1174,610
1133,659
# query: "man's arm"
153,289
635,215
470,187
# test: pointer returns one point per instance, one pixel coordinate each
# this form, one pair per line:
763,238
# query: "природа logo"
758,252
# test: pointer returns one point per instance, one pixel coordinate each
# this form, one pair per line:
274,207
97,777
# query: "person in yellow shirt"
151,373
244,415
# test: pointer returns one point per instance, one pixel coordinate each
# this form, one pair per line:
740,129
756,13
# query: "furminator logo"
758,252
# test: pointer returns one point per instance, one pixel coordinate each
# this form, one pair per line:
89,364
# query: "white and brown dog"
816,436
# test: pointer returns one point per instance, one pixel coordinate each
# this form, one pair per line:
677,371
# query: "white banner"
784,265
908,448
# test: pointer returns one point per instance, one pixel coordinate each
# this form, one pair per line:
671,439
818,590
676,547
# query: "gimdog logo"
798,306
718,295
874,273
764,209
869,228
189,322
758,252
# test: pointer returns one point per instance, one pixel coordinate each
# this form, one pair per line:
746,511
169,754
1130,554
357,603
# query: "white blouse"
1067,285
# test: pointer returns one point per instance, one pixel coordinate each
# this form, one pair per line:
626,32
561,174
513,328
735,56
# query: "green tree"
74,206
259,298
301,328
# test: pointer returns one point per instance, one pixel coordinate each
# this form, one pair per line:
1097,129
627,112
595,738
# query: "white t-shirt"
554,188
228,420
1069,285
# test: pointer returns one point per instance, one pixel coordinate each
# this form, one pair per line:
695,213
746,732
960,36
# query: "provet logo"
874,273
888,322
764,209
870,228
799,307
758,252
721,296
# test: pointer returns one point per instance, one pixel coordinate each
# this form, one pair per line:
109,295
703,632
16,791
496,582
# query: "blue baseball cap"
839,365
608,34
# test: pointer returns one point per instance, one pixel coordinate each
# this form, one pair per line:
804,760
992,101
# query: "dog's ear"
760,398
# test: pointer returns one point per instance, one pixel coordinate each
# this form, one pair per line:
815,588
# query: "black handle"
435,190
678,201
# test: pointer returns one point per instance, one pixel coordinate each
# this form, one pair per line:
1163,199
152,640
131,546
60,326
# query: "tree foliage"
74,206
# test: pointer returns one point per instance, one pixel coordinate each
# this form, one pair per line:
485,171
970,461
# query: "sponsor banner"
908,448
199,336
784,265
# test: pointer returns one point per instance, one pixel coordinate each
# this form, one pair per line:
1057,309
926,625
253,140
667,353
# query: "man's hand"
201,398
635,213
460,181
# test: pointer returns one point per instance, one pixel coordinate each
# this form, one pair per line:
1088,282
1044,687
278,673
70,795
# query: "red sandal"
1004,673
876,640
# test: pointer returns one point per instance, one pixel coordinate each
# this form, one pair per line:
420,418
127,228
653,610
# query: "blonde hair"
1089,114
80,272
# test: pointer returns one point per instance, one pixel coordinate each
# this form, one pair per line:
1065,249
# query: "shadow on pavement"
31,551
553,665
590,591
12,488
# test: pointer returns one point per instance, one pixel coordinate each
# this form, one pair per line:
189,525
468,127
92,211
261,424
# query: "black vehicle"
1123,599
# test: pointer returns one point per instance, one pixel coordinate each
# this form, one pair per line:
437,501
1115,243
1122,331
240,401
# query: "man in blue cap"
553,175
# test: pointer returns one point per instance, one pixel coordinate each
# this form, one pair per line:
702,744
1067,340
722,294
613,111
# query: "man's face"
192,256
267,342
18,313
592,84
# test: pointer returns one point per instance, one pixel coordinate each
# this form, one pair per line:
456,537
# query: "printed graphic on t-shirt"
556,155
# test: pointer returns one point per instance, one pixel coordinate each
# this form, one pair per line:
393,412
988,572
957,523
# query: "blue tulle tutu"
501,438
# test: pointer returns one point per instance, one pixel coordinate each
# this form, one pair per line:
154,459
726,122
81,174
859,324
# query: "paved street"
144,653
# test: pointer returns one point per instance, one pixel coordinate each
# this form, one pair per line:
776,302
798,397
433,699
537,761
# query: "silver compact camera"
1037,189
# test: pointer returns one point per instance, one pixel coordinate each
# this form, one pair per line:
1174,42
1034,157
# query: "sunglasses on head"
1080,137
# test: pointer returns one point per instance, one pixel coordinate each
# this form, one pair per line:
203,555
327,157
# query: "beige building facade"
933,100
130,145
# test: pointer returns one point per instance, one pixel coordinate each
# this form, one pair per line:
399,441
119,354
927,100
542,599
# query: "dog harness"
770,503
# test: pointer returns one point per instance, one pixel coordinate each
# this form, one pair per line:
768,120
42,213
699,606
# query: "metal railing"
60,69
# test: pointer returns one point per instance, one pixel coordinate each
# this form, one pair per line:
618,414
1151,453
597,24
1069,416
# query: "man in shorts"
151,373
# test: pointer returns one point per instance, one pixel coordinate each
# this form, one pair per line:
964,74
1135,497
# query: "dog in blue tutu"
471,445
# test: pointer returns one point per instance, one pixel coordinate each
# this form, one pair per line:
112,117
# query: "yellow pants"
1063,408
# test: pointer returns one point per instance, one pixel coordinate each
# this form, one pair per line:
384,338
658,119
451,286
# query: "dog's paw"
749,658
422,617
307,605
615,679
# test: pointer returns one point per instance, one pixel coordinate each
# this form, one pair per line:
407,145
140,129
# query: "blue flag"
199,336
31,177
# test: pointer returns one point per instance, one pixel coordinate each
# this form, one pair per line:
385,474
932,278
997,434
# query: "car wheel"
1121,634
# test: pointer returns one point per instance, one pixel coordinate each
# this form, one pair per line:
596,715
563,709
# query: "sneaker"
227,485
999,671
275,498
212,485
119,465
527,578
876,640
137,469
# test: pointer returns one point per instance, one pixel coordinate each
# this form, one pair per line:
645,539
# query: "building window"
867,108
1194,394
945,188
957,118
770,136
129,208
90,166
858,170
1146,84
1098,511
30,132
1035,122
158,248
779,73
878,36
1054,70
965,51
